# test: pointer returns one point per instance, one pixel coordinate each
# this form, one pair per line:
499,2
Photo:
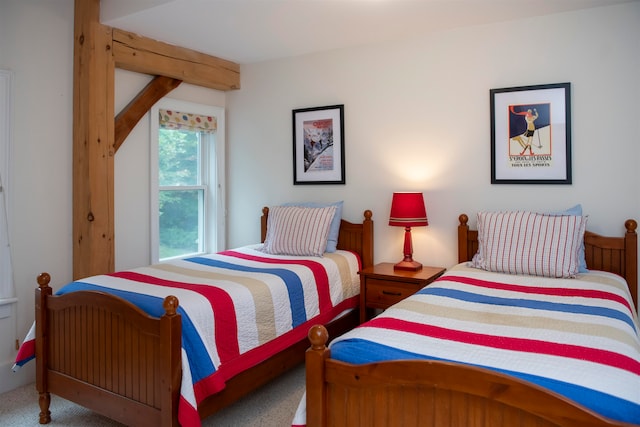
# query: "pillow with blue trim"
529,243
334,229
298,231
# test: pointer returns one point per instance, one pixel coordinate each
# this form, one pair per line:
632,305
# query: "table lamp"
408,210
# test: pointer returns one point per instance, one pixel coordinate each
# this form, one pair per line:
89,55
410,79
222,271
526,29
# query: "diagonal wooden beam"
138,107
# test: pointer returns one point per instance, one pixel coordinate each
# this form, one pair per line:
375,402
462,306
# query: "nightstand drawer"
383,293
382,285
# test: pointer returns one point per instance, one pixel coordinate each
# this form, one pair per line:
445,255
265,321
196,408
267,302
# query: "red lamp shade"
408,210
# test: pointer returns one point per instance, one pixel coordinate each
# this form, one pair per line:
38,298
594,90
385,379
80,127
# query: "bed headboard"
352,237
617,255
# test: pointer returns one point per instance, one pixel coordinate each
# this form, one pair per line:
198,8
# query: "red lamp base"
408,265
407,262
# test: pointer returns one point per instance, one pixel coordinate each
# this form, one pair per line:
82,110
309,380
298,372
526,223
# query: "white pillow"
529,243
296,230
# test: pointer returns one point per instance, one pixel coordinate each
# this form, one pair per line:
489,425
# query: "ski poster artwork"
318,145
530,142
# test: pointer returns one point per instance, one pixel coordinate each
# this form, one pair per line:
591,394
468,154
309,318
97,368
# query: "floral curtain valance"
187,121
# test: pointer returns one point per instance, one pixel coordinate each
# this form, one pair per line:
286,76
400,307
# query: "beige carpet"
271,406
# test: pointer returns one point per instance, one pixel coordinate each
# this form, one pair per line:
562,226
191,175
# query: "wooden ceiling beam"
144,55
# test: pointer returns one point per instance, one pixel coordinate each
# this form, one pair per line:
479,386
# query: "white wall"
36,43
417,118
428,97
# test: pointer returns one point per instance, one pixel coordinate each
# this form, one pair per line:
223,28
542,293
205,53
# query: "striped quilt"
238,308
578,337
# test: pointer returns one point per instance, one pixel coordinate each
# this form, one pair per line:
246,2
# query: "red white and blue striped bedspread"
238,308
578,337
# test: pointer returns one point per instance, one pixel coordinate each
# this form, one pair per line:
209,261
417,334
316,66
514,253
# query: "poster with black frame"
531,134
318,145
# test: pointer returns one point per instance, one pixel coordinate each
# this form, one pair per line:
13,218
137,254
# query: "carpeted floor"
273,405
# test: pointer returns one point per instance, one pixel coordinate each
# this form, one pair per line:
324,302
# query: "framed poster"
318,145
531,134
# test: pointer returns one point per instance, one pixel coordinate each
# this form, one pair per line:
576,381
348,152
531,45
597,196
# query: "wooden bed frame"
105,354
436,394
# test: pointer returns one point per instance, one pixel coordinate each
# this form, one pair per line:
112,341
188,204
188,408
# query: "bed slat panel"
401,404
418,405
119,408
88,349
605,259
358,238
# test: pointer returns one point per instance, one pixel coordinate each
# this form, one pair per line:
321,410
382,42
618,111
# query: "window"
187,155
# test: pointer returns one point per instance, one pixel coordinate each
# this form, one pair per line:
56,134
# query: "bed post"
42,292
367,239
263,224
170,362
316,390
631,258
463,230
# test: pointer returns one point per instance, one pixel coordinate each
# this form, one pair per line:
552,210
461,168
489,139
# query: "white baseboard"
10,380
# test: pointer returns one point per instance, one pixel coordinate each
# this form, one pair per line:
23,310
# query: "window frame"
213,153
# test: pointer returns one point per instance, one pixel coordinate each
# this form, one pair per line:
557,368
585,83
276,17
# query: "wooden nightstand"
381,286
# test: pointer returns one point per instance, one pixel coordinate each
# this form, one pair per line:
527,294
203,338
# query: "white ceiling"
247,31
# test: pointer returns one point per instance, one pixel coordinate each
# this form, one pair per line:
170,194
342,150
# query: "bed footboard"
107,355
428,394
